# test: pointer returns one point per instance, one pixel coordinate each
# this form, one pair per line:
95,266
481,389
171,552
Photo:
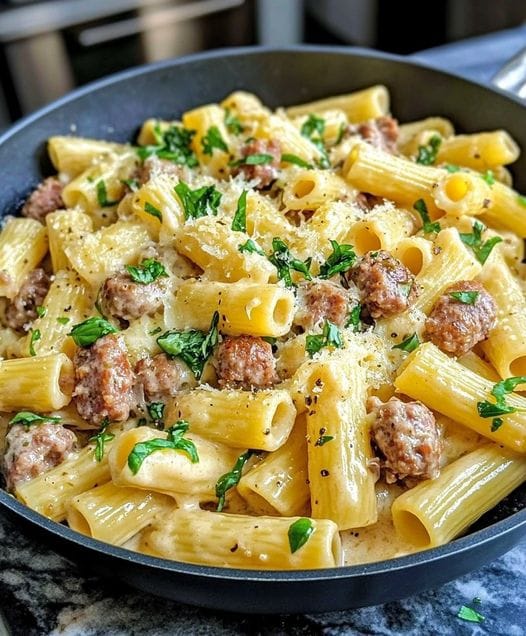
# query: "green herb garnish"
156,411
495,409
63,320
427,155
213,139
488,177
147,272
35,337
197,203
298,161
427,225
232,123
173,144
86,333
239,222
409,344
329,337
521,199
28,418
299,533
474,240
102,196
465,297
451,167
231,479
41,311
340,261
153,211
133,184
100,439
354,318
313,129
251,247
470,615
283,261
174,441
193,347
323,439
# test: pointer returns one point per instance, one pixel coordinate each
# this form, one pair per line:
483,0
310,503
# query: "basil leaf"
63,320
239,222
465,297
151,209
213,139
174,144
86,333
156,411
299,533
283,261
35,337
470,615
133,184
41,311
231,479
499,407
354,318
496,423
427,154
102,195
428,227
258,159
480,249
409,344
174,441
341,260
298,161
490,409
232,123
251,247
147,272
28,418
330,337
197,203
193,347
313,128
100,439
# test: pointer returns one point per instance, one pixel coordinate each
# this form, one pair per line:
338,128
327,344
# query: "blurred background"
47,47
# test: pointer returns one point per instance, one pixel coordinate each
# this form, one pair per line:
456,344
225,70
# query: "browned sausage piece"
22,310
455,326
103,381
407,439
265,173
33,451
319,301
163,377
122,298
45,199
245,362
387,287
381,133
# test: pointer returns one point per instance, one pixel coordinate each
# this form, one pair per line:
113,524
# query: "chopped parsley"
200,202
323,439
86,333
41,311
488,177
133,184
340,261
313,129
193,347
469,614
213,139
299,533
465,297
239,222
427,155
174,441
251,247
156,412
451,167
102,195
409,344
63,320
232,123
283,261
100,439
147,272
258,159
298,161
427,225
231,479
353,319
474,240
173,144
149,208
495,409
329,337
28,418
35,337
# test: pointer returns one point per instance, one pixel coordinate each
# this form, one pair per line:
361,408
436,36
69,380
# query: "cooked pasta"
264,339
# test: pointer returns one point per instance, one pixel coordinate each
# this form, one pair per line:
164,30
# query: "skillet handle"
512,76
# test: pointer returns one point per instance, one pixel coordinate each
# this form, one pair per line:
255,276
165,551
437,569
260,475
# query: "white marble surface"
42,593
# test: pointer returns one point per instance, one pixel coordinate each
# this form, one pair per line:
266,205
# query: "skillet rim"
511,524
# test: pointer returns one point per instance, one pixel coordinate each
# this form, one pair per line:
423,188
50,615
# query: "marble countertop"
42,593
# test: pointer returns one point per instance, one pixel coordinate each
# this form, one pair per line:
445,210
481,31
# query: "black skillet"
113,109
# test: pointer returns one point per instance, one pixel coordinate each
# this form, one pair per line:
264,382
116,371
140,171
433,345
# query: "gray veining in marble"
42,593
